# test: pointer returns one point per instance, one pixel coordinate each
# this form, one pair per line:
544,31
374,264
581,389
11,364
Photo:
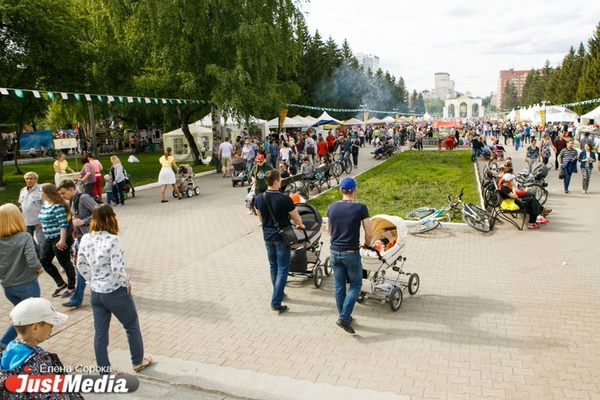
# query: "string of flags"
101,98
349,110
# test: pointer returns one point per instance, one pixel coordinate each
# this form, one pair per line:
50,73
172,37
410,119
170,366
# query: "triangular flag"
140,100
64,96
147,100
50,95
178,101
36,94
185,102
4,91
99,97
130,99
77,96
171,101
121,99
88,97
111,99
19,93
155,101
164,101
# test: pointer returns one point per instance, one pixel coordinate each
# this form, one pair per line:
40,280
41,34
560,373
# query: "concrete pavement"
503,315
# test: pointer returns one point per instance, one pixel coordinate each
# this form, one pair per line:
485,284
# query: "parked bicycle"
429,218
340,165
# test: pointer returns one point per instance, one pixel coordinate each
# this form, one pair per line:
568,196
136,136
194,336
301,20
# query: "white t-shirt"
226,149
285,153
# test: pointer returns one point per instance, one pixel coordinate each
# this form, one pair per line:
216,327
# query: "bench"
510,216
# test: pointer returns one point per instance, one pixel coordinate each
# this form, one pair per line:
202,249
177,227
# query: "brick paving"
505,315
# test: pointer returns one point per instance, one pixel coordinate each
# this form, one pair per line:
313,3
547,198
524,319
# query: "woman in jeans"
532,155
19,265
88,176
117,174
100,260
587,158
55,217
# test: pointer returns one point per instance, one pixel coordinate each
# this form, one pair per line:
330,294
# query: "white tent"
181,151
389,119
594,114
353,121
231,127
560,114
310,119
289,122
325,119
374,121
426,116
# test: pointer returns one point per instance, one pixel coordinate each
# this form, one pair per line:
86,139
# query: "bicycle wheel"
478,219
336,170
423,226
540,193
419,213
347,167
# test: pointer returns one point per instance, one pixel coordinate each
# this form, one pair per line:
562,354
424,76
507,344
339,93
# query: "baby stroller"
184,179
306,255
383,257
128,186
240,172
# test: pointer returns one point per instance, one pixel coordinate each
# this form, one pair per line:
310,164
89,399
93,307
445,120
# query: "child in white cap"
33,319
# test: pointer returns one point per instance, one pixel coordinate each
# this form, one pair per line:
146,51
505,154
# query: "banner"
543,118
70,143
365,116
516,116
282,115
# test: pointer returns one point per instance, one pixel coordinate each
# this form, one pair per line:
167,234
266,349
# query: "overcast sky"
470,40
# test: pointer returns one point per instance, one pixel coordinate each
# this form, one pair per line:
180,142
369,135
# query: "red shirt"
330,140
322,148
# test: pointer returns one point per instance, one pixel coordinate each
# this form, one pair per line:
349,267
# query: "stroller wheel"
175,194
395,298
327,267
318,277
413,284
189,192
197,191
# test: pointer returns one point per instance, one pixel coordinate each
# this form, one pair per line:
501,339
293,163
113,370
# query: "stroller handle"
371,248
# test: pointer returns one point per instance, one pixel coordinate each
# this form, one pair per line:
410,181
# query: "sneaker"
249,212
541,220
71,304
533,226
345,326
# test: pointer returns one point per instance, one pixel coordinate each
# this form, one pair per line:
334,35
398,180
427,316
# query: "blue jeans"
77,297
346,267
474,154
15,295
567,180
118,192
279,260
120,303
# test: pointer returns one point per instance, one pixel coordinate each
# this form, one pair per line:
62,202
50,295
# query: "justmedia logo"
72,383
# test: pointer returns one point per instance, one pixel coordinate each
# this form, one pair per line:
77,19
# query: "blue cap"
348,184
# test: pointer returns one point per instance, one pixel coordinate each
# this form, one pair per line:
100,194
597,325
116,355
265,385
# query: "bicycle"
342,164
429,218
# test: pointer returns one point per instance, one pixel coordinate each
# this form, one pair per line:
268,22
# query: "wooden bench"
510,216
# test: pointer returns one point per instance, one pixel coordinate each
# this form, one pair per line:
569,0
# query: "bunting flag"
352,110
102,98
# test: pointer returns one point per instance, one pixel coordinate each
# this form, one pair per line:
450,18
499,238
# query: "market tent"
560,114
325,119
447,124
426,116
374,121
389,119
594,114
353,121
289,122
176,140
310,119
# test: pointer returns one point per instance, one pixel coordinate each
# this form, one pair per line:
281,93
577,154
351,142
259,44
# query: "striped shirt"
567,155
53,218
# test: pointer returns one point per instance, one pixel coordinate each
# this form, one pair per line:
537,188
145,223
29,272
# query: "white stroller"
390,233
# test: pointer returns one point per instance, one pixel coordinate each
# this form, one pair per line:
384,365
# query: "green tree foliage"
590,75
510,99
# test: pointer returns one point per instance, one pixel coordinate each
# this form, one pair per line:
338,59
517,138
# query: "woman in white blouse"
101,262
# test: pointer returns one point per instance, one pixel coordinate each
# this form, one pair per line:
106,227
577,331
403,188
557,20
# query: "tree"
588,87
32,34
509,99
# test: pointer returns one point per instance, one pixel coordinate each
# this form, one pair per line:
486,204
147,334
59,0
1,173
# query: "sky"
470,40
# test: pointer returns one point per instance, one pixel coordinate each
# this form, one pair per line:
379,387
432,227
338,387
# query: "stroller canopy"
383,223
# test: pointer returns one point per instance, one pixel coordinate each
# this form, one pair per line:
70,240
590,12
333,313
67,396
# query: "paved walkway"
504,315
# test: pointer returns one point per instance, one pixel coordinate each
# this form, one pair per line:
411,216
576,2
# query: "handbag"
310,150
509,205
288,235
562,174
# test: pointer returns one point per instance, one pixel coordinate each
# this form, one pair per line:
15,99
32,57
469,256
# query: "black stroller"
128,186
240,172
306,254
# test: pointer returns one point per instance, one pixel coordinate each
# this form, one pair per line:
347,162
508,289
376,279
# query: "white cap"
34,310
508,177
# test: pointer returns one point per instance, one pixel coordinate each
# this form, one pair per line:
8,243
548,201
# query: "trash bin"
153,147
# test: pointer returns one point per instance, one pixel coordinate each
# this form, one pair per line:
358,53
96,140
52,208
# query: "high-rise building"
443,86
510,75
368,62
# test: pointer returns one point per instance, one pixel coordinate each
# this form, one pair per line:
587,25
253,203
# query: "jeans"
517,144
474,154
89,188
36,232
279,261
567,180
118,192
346,267
15,295
120,304
49,251
355,159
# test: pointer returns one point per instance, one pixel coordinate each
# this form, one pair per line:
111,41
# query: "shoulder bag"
288,235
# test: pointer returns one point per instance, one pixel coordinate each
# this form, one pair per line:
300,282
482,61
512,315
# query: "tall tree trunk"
2,151
18,144
217,129
184,119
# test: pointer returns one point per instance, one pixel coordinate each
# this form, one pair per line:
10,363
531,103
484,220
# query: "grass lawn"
409,180
144,172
